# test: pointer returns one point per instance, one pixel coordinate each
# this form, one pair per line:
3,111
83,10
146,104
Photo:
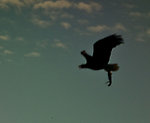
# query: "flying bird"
101,55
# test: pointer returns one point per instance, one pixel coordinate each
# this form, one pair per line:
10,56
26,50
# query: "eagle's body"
101,54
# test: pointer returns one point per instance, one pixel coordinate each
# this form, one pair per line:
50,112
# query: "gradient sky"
40,44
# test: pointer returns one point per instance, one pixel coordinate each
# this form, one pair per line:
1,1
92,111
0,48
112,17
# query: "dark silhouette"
101,54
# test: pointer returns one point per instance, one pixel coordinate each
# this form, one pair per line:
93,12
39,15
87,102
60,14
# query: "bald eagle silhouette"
101,55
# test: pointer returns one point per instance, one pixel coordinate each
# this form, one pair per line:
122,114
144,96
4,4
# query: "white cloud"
143,35
4,37
101,28
51,4
59,44
135,14
8,52
59,4
148,14
119,27
42,44
5,3
98,28
148,32
88,7
140,37
140,14
66,15
33,54
40,22
30,2
66,25
19,38
3,6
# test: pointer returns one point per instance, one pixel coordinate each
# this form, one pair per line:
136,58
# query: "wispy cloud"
135,14
59,44
138,14
88,7
119,27
32,54
55,5
140,38
4,37
42,23
8,52
6,3
42,44
148,32
49,4
59,4
143,35
66,25
98,28
48,12
101,28
67,15
3,6
19,38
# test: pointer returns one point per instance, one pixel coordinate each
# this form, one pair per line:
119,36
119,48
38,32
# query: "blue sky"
40,44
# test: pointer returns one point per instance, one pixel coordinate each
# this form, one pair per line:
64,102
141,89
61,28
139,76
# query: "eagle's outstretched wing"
103,48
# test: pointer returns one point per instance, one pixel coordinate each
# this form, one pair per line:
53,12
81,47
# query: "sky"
40,45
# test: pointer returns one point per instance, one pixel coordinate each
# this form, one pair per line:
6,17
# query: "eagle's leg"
87,56
110,79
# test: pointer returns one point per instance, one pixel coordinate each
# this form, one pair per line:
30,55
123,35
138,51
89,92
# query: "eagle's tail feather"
112,67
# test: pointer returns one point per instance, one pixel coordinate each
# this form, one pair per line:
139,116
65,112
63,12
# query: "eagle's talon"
108,83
